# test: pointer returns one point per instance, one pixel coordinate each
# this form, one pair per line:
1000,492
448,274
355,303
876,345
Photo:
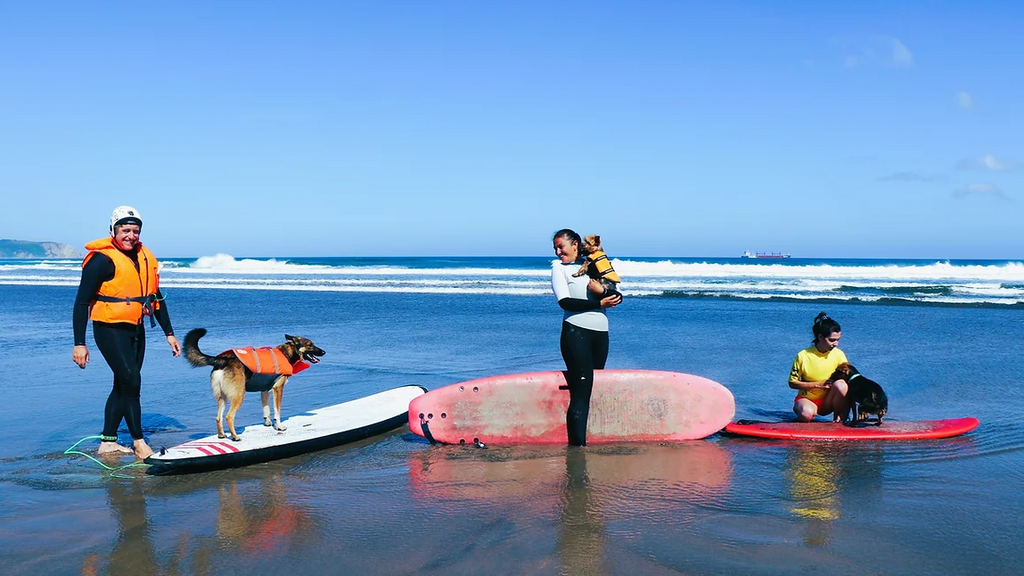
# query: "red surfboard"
889,430
625,406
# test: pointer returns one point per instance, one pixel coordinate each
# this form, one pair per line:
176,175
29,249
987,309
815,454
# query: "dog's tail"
195,356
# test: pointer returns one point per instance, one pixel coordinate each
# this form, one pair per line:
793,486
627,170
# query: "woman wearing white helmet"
120,286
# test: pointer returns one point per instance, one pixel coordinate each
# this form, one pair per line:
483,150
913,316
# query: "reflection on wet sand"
584,487
692,471
133,551
817,475
592,498
255,518
581,539
814,479
264,524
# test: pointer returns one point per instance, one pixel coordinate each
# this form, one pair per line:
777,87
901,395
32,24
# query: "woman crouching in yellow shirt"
813,367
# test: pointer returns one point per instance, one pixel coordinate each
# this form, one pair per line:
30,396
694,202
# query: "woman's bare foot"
113,448
142,450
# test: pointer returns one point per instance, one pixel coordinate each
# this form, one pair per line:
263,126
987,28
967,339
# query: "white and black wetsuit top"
582,307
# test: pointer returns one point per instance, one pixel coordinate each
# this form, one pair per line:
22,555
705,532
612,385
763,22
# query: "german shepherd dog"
865,396
229,377
608,277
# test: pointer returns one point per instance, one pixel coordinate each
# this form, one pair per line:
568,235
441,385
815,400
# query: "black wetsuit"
122,345
583,351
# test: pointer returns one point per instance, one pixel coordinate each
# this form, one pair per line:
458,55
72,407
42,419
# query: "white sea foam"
381,288
227,264
1005,272
935,282
45,265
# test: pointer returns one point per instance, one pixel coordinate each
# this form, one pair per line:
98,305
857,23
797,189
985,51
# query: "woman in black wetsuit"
584,340
119,288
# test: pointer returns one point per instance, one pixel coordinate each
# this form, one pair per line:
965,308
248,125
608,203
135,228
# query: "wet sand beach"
394,504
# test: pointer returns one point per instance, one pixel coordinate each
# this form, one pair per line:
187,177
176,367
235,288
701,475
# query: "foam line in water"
943,283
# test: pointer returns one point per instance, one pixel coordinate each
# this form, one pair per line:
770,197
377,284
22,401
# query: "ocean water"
959,283
943,338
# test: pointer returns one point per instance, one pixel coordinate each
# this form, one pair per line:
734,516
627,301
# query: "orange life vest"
131,293
266,365
599,260
263,360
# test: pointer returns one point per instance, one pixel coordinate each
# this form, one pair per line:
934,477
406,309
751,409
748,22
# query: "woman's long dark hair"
824,326
569,235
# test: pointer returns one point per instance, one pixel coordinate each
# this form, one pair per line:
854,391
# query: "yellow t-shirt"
813,366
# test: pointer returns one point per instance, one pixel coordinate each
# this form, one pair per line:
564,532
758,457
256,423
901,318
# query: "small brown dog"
598,267
232,378
865,396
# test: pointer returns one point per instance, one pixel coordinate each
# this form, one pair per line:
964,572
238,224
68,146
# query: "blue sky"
872,129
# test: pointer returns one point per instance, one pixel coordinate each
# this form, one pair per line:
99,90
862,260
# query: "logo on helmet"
124,215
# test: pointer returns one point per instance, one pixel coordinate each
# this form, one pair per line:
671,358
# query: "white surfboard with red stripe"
206,448
314,430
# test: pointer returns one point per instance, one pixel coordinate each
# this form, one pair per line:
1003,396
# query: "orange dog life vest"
264,360
266,365
599,260
129,294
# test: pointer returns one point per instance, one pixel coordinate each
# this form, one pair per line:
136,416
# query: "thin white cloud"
987,162
900,55
981,189
964,100
881,51
908,177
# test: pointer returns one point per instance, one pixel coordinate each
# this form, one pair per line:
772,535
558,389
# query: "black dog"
865,396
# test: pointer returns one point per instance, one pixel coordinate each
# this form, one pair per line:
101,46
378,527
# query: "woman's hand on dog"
612,301
80,355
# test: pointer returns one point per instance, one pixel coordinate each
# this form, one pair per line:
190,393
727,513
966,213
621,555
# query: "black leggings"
123,347
583,351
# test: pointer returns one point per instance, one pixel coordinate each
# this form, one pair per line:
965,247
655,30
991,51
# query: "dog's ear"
290,338
596,240
842,372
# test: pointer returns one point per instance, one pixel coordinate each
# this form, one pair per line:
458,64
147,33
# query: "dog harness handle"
277,369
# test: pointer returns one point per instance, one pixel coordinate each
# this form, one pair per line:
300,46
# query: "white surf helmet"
124,215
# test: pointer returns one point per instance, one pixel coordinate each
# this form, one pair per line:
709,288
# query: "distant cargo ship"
749,254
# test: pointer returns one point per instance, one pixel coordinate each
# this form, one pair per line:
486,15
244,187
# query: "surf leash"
426,430
112,470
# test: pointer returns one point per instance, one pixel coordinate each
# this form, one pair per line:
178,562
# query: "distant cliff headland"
26,249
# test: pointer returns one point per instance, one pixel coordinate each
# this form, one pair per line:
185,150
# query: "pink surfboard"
889,430
625,406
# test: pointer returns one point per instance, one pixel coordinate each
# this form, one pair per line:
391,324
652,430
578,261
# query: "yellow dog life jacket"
599,260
